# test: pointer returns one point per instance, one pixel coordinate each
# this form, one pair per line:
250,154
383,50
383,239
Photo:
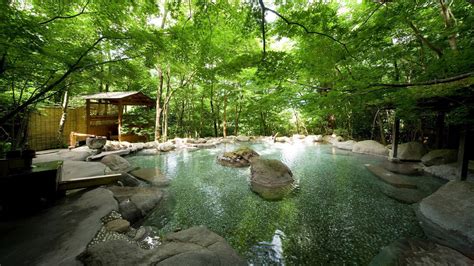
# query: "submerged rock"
194,246
438,157
271,179
418,252
410,151
447,216
151,175
238,158
370,147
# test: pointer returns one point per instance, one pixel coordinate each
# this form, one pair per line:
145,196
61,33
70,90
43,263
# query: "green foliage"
214,55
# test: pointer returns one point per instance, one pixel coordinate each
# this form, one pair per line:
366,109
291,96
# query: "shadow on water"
337,215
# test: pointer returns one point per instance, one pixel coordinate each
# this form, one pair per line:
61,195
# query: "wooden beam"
120,118
395,137
88,114
463,156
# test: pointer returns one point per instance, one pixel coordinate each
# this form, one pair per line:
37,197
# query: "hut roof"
123,97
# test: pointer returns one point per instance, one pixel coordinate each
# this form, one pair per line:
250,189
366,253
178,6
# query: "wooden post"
88,115
120,116
463,156
395,137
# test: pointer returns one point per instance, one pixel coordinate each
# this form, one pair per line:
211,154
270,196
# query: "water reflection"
269,253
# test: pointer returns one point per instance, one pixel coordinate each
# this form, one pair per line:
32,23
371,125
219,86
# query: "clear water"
337,215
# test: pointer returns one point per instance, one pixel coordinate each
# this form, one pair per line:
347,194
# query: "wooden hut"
104,112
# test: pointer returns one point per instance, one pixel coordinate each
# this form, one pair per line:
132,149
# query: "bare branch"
67,17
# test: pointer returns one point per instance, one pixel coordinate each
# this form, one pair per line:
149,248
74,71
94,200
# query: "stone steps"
390,178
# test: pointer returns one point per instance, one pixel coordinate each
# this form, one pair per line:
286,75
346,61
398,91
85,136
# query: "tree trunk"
158,105
449,22
382,133
201,117
224,118
212,110
166,103
238,109
62,121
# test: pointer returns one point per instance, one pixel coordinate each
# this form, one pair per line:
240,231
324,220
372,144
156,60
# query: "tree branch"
66,17
430,82
50,87
371,14
107,62
264,8
418,34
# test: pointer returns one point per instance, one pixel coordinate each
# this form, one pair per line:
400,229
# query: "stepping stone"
151,175
404,168
390,178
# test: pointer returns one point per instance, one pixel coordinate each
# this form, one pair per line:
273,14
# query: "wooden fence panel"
43,126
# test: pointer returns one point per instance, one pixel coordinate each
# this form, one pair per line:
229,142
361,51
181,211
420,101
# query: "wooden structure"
104,112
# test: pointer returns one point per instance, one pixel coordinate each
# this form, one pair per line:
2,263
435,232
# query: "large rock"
238,158
116,163
96,142
243,138
404,168
448,171
78,154
418,252
442,156
345,145
194,246
57,235
410,151
106,153
118,225
370,147
136,202
447,216
166,147
77,169
332,139
283,139
271,179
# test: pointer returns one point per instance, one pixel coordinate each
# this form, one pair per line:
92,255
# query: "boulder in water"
447,216
194,246
418,252
410,151
441,156
243,138
345,145
370,147
116,163
238,158
271,179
